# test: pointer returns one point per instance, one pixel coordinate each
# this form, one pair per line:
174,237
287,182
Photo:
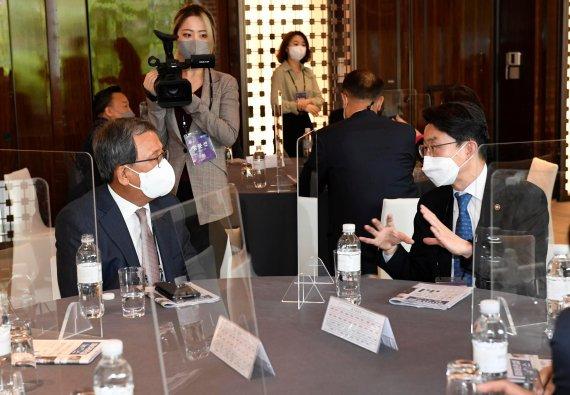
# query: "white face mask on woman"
442,170
156,182
297,52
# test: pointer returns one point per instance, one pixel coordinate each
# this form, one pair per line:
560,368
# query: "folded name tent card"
358,325
238,348
518,364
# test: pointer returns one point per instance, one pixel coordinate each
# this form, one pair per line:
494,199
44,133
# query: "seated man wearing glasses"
138,180
463,204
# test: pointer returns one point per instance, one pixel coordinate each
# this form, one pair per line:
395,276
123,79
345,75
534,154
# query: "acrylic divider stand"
304,289
75,324
282,182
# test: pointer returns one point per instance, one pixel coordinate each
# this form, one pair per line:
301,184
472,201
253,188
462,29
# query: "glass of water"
22,343
192,330
132,284
463,375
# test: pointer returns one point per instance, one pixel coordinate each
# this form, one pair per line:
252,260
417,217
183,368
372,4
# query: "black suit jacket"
361,161
114,240
518,208
561,353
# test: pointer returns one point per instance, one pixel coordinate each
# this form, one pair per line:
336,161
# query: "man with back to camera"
461,202
361,160
138,180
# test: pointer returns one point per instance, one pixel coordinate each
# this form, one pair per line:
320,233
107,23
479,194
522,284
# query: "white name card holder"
358,325
241,350
304,289
75,324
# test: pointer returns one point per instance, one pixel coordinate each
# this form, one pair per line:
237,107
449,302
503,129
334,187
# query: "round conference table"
306,359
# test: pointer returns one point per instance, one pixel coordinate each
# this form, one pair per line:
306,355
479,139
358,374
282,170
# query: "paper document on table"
432,296
205,297
63,352
358,325
518,364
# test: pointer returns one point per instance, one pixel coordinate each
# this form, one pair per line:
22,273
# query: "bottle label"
491,357
348,261
258,164
124,390
5,343
557,287
89,273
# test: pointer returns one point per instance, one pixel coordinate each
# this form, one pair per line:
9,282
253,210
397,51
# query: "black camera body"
172,90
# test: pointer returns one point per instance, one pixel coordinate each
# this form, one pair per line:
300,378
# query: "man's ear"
107,113
472,148
379,103
120,174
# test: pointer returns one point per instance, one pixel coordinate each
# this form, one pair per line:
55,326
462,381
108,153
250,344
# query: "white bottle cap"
490,306
348,228
112,348
108,296
87,238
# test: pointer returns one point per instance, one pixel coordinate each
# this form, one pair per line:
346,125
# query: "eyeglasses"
159,158
428,150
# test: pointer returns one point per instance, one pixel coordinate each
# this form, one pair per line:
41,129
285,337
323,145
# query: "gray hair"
114,145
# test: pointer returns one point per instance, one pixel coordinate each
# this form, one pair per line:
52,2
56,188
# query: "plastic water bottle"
490,342
259,180
6,383
557,286
307,143
113,374
348,265
89,279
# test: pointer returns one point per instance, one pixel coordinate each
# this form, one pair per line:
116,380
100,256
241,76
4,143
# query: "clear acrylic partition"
515,239
217,262
312,273
407,104
34,187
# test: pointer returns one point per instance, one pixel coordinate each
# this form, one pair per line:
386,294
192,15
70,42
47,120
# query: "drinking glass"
22,343
463,375
553,308
192,330
132,284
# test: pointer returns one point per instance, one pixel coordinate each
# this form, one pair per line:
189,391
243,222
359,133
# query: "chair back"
543,174
403,211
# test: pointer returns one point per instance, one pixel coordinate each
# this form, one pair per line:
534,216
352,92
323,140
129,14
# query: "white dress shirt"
128,211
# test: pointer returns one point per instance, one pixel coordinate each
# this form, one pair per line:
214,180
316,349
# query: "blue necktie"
464,230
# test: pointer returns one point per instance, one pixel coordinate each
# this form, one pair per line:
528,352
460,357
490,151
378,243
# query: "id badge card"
200,147
301,95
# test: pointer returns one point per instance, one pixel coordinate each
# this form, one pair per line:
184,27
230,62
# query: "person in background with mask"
212,118
138,180
449,215
300,93
360,161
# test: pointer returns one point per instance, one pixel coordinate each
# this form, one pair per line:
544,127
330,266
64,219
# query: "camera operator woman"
197,133
300,93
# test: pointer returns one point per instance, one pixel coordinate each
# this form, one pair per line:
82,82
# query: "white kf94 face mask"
442,170
157,182
297,52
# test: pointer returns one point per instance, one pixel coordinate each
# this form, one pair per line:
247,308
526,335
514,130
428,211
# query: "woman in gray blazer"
210,121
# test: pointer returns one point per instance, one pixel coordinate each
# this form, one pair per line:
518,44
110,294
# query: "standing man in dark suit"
361,160
138,180
453,134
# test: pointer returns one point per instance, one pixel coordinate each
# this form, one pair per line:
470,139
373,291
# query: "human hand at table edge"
385,237
445,237
507,388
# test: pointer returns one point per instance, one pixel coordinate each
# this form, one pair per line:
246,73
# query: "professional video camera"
171,89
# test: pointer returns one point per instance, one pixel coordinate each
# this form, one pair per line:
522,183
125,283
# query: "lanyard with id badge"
299,95
198,142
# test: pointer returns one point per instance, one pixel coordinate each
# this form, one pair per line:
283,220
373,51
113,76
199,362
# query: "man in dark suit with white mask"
461,207
133,163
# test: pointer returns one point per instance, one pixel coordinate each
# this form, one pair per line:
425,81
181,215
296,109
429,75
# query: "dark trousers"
294,127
